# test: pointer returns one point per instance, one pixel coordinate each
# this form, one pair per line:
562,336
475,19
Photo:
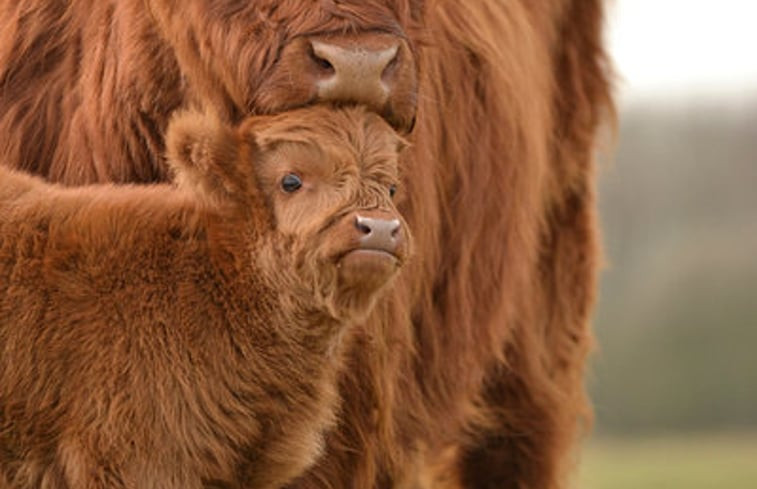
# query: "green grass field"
683,462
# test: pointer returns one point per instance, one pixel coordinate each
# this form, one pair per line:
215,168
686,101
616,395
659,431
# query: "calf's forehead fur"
324,144
348,136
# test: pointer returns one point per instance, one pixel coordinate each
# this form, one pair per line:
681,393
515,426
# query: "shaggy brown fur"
472,374
155,337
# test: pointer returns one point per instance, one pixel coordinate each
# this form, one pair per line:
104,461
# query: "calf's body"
161,337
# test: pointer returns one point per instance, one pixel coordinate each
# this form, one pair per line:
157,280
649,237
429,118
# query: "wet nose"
355,73
378,233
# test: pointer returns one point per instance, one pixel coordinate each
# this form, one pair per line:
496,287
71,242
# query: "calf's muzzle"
378,233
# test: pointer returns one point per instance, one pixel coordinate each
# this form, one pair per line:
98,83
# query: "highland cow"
190,336
472,374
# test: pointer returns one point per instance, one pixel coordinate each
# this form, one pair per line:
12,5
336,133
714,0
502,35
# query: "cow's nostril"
355,73
391,65
373,69
321,62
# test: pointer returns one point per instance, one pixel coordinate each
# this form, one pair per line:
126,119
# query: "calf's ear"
203,155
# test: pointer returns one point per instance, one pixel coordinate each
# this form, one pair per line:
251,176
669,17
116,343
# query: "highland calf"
190,336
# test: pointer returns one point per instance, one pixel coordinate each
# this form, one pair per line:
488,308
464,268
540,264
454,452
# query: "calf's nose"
378,233
356,73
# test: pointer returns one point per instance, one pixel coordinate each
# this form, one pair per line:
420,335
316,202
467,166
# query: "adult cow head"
269,56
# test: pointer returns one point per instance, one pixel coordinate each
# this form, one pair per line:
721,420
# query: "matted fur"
163,337
472,374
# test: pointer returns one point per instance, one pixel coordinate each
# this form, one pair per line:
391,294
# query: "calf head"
316,185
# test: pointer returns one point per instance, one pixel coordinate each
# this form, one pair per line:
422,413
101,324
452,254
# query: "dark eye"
392,190
291,183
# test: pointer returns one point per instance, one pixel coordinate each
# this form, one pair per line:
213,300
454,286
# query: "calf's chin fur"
175,336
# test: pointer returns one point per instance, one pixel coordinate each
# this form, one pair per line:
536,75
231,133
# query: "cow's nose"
355,73
379,234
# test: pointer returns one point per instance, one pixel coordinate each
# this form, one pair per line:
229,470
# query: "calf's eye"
392,190
291,183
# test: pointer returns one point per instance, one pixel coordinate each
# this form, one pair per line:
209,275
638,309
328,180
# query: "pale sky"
684,48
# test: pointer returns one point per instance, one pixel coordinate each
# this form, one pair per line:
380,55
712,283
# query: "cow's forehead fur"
295,17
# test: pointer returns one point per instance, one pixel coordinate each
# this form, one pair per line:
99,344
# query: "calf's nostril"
379,233
363,225
395,228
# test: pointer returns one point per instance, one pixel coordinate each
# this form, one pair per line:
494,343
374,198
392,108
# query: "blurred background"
674,381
